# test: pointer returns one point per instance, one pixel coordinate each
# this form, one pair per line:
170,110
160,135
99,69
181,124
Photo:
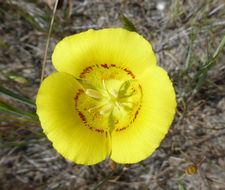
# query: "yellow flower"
109,98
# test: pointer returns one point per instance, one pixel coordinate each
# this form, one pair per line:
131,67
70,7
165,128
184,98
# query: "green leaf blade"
128,24
16,97
4,107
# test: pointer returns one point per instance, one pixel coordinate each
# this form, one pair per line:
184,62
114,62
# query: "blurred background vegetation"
188,37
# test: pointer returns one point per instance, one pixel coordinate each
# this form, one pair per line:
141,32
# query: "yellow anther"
94,93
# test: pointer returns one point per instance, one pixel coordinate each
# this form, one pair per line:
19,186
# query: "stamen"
103,82
94,93
114,93
96,107
118,105
106,110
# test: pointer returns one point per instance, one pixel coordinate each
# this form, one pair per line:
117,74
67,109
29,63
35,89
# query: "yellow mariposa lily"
109,98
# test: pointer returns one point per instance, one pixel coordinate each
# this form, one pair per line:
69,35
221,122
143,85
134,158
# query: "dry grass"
184,35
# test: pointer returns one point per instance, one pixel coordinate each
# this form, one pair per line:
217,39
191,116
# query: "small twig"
162,173
121,173
47,44
127,183
221,184
206,139
196,108
70,10
173,58
199,126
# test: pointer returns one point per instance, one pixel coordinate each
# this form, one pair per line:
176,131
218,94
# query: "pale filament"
96,107
113,91
106,110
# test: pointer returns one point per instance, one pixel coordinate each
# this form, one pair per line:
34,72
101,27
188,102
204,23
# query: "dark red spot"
129,72
117,121
86,70
105,66
121,129
80,91
113,65
99,130
135,116
82,116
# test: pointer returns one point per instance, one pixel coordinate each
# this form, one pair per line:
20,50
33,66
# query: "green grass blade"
190,53
15,77
16,97
20,120
220,47
128,24
23,143
216,54
201,80
177,8
188,60
181,186
204,69
4,107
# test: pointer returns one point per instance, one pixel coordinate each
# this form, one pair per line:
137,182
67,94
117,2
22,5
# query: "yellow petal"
80,53
143,136
64,126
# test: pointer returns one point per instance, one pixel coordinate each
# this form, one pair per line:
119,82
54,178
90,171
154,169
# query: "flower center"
111,100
